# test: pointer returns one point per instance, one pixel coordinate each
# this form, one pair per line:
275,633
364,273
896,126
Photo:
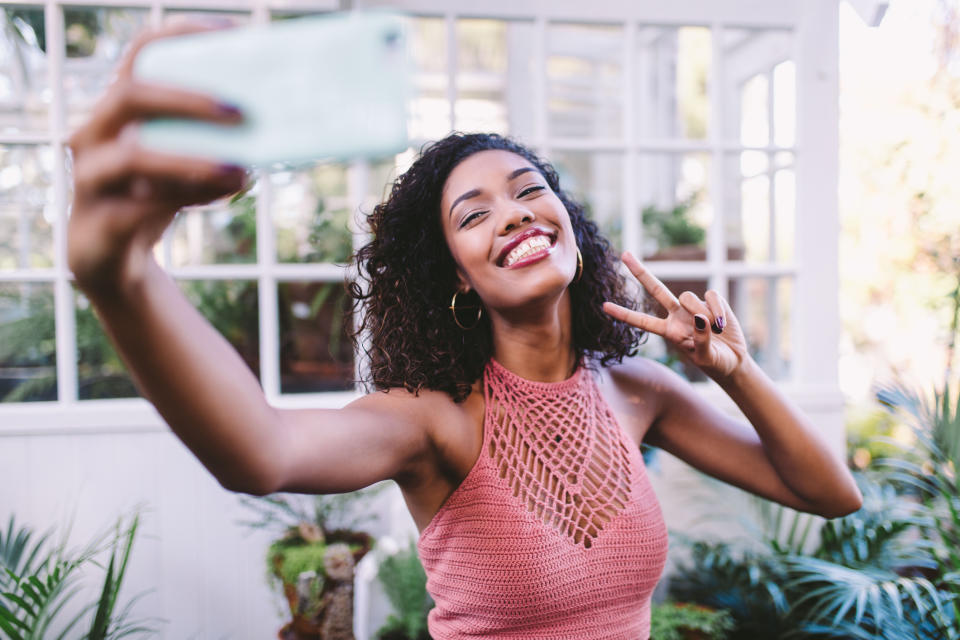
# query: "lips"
520,238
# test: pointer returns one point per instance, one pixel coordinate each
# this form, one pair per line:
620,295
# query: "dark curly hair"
407,277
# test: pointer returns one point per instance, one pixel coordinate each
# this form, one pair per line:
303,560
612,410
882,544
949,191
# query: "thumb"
701,338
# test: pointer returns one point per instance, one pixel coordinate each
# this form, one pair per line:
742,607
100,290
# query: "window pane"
26,206
674,194
595,180
95,39
760,206
311,214
24,88
584,80
429,108
316,353
28,350
673,75
222,232
494,88
231,307
101,373
756,63
763,307
238,17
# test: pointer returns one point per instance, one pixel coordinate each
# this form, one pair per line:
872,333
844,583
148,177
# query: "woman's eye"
530,190
470,218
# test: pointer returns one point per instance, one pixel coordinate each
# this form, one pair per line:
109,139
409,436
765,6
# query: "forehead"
480,169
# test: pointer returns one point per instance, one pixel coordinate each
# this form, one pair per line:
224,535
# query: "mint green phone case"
321,88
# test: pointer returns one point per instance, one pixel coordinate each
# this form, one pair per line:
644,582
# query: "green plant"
34,596
672,227
405,584
676,621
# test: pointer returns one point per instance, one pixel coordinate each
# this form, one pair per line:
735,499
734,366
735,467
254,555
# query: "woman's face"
508,232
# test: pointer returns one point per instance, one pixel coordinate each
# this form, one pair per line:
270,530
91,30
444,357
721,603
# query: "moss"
295,559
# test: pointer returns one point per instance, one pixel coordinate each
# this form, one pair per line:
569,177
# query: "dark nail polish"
716,328
232,170
231,110
721,322
700,323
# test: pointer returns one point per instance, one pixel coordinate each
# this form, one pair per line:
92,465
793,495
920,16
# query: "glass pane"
311,214
101,373
24,88
785,104
759,223
95,40
672,79
494,88
763,307
26,206
28,349
753,67
584,80
316,353
595,180
231,307
237,17
429,108
674,195
222,232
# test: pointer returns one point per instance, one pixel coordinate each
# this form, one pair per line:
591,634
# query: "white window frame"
815,316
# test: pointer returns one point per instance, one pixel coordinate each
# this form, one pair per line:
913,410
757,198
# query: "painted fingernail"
700,323
232,170
716,327
230,110
721,322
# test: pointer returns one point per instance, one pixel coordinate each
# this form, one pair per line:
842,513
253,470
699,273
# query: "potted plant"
405,584
312,563
681,621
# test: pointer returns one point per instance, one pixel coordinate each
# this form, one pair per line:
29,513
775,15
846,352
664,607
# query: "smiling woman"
514,440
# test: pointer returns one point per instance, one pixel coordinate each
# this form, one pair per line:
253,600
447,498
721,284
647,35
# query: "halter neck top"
555,532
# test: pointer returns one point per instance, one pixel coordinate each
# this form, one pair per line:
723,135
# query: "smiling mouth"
528,250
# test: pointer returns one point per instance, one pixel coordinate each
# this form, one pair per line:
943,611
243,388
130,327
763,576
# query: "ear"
463,285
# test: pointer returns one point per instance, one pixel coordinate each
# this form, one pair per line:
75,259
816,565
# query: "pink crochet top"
555,532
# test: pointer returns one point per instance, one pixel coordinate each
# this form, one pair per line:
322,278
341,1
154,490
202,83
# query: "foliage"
669,621
672,227
405,583
297,559
281,512
36,589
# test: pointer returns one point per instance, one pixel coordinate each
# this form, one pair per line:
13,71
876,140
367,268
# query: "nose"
516,217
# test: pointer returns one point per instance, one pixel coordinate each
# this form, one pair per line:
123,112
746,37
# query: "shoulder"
645,376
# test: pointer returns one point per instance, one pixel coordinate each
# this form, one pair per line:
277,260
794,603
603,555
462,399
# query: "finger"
715,302
694,305
178,26
111,168
131,100
701,338
650,282
643,321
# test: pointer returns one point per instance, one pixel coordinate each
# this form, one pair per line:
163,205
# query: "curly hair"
407,331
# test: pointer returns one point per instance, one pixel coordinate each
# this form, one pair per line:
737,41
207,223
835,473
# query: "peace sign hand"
718,350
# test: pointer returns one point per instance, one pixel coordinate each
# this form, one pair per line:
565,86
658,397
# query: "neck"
536,344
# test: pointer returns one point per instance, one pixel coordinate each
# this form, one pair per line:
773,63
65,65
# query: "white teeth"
525,248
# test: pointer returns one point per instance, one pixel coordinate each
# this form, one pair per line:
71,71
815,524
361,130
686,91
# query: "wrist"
741,376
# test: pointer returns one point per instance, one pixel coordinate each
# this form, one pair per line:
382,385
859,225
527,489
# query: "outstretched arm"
782,457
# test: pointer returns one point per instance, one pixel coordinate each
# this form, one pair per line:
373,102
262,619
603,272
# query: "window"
678,129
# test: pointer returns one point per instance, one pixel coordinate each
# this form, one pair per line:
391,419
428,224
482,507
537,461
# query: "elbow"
843,506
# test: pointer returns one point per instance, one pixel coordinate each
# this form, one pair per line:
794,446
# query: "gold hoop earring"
579,275
453,310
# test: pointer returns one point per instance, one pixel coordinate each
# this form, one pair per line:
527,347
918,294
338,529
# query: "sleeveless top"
555,532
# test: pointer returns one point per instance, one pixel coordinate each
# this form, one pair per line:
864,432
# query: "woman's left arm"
782,457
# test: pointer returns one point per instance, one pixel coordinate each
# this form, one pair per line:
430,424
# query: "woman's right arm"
124,197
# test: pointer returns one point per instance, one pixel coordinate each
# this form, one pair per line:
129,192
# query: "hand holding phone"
330,87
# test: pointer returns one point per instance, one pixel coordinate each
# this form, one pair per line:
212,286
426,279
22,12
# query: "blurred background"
798,156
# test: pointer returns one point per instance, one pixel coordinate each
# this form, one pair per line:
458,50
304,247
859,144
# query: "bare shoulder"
638,390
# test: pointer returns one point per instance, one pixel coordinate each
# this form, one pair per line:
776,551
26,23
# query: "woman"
497,328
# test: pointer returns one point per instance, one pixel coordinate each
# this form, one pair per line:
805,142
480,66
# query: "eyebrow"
473,193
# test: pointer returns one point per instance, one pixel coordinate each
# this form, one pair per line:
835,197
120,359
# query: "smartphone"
331,87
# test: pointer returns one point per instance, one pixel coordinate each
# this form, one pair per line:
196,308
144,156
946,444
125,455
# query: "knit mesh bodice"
555,532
